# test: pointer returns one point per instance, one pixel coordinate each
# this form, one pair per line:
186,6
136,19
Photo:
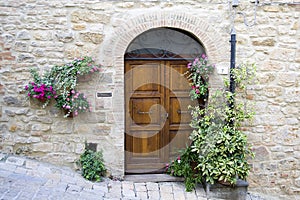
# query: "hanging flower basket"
198,73
60,83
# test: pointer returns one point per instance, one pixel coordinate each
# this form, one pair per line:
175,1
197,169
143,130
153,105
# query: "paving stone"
191,195
2,156
166,187
25,182
166,196
100,187
128,189
90,196
11,194
31,164
152,186
73,188
15,161
178,193
21,170
61,187
4,173
7,167
153,194
200,192
140,187
27,194
114,190
86,184
142,195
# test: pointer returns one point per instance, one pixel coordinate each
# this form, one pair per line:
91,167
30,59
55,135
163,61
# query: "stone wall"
38,33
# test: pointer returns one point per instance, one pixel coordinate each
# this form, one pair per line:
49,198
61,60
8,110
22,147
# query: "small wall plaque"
104,94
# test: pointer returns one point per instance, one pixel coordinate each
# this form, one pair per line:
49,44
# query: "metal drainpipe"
232,66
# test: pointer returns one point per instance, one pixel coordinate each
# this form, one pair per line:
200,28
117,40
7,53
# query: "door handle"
144,113
182,112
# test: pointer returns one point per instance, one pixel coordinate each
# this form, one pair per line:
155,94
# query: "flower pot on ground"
219,147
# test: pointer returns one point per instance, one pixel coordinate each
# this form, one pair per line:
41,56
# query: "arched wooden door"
157,98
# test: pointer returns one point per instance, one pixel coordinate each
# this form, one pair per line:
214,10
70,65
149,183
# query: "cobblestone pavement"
22,178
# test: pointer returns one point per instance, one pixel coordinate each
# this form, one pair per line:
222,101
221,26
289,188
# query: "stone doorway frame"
114,48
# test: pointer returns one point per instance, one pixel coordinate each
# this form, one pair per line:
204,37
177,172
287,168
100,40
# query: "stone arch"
135,26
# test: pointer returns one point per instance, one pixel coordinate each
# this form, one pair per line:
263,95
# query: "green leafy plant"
92,165
60,83
184,166
219,146
217,137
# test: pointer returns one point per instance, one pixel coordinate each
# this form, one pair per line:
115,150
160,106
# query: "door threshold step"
138,178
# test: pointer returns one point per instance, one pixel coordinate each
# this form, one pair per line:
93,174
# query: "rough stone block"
42,147
15,161
95,38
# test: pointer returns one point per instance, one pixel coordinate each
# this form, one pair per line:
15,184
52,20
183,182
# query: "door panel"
145,111
157,116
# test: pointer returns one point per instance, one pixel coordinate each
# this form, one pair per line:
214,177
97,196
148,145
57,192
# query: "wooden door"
157,116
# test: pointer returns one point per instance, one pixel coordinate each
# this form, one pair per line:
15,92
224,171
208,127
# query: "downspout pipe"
232,67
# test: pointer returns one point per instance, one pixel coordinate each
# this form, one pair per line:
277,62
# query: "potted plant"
59,83
40,88
219,147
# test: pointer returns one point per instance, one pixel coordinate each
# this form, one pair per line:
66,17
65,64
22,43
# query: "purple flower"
203,56
26,87
49,97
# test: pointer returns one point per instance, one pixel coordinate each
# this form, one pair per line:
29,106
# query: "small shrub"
92,165
185,166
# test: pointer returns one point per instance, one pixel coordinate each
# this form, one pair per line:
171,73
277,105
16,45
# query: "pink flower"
203,56
197,91
49,97
26,87
73,92
29,94
189,65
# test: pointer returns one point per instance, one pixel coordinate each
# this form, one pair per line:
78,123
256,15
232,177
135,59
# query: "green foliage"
184,166
92,165
217,137
60,83
219,147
